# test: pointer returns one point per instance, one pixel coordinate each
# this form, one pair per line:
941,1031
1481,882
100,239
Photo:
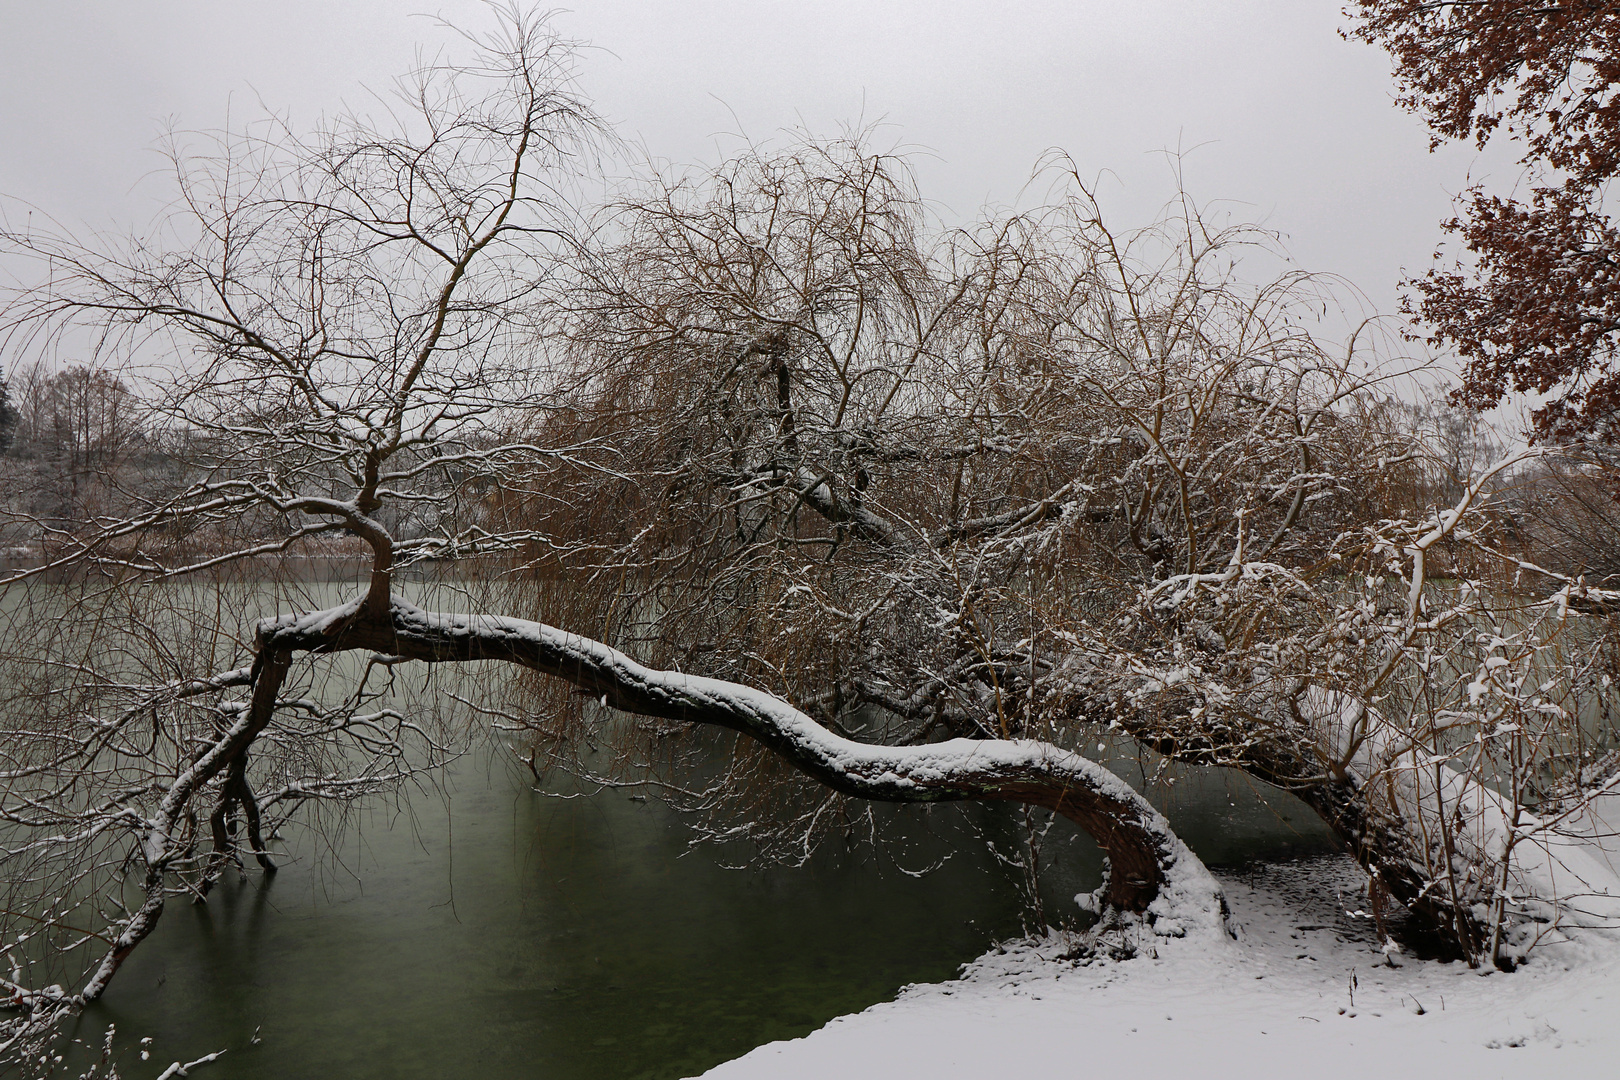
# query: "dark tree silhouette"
8,416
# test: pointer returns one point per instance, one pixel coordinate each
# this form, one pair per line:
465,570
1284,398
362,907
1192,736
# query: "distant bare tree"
79,448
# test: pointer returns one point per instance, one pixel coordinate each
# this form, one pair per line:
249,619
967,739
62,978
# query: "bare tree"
917,511
334,350
345,348
1040,479
78,449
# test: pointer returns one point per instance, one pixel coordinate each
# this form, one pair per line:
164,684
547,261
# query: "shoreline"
1305,982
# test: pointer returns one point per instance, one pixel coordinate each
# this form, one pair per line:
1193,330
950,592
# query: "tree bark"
1147,861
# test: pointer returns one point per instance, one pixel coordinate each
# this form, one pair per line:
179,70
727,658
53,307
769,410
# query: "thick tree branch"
1148,862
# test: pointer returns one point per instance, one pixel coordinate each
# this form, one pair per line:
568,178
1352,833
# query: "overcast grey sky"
1286,122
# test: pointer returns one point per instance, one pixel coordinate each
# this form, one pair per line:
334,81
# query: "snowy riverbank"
1305,986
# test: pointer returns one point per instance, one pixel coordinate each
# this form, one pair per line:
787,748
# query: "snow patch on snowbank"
1562,870
1307,984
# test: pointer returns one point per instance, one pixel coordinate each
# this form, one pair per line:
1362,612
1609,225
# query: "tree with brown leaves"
1535,307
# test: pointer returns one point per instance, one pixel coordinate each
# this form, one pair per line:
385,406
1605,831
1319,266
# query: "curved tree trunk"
1152,877
158,844
1152,873
1388,847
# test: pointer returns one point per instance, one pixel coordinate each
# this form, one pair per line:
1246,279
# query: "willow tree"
349,352
1038,478
912,511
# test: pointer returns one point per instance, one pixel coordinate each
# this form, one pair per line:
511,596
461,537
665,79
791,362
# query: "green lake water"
486,930
496,932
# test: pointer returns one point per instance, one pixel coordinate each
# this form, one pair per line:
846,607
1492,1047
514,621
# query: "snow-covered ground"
1305,989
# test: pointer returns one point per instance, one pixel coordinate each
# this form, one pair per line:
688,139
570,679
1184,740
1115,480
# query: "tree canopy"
763,489
1535,307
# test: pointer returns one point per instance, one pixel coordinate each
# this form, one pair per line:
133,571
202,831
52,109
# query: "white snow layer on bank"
1304,991
1564,869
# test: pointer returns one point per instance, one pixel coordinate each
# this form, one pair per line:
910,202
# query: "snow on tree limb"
1151,869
